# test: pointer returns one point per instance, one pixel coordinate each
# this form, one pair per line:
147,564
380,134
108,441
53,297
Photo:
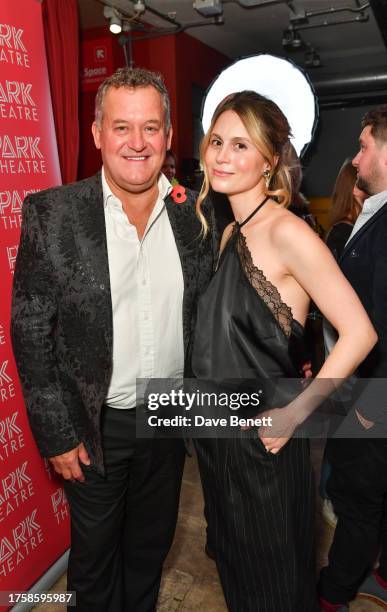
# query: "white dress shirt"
147,287
370,207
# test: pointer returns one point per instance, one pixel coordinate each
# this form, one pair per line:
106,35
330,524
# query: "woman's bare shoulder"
286,226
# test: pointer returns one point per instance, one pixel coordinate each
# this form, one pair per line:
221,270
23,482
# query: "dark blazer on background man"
364,263
62,328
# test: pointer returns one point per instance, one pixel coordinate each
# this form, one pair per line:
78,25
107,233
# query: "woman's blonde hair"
269,131
345,207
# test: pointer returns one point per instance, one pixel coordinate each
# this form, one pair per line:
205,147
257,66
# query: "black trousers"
357,487
260,512
122,525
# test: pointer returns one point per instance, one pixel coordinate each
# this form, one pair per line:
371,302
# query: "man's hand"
283,426
67,465
365,422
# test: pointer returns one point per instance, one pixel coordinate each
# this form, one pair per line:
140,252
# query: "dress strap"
252,214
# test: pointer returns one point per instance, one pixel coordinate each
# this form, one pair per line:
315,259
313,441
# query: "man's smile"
136,158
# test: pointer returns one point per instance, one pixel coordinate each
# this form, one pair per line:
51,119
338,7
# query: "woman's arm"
307,259
310,262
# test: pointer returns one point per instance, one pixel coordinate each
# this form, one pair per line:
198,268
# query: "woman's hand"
365,422
274,437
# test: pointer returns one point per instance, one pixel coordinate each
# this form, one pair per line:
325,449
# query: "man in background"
358,483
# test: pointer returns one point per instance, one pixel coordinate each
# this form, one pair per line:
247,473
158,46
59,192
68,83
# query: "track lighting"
139,6
208,8
114,16
115,25
312,58
291,39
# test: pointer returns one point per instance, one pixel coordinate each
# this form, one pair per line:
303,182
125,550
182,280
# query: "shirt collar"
164,186
374,203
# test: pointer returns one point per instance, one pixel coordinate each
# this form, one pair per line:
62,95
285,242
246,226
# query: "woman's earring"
267,177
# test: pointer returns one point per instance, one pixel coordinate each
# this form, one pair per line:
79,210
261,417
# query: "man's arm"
34,317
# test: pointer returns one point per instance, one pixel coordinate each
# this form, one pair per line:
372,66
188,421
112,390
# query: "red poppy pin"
178,194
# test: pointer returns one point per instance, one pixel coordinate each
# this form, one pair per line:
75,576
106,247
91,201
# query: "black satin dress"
259,506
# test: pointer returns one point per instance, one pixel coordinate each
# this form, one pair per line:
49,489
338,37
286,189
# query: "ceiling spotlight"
297,42
114,16
139,6
312,58
208,8
291,39
115,25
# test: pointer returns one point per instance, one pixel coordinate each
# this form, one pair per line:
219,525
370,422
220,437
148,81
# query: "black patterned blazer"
62,327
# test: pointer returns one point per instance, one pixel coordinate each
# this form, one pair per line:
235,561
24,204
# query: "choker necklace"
253,213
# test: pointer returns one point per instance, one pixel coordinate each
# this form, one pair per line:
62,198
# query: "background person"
358,482
347,202
299,204
169,167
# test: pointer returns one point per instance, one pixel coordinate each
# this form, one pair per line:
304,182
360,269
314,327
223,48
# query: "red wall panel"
33,509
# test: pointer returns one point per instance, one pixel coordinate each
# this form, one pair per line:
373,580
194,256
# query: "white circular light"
277,79
115,25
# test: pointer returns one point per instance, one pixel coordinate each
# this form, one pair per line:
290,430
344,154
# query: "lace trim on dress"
265,289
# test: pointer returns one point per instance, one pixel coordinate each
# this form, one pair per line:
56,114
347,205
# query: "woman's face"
233,162
169,167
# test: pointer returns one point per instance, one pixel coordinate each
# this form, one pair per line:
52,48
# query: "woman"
347,202
259,490
169,167
299,205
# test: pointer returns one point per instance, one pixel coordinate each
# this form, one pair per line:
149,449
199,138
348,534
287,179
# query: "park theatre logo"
12,48
11,437
15,489
17,544
7,387
60,505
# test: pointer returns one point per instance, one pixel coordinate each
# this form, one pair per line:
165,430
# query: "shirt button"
144,281
102,287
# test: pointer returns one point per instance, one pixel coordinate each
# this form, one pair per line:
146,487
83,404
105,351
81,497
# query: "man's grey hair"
133,78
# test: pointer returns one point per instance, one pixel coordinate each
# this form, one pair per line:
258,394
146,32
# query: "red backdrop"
33,511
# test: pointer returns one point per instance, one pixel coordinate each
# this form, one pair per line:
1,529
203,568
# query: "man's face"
132,138
371,163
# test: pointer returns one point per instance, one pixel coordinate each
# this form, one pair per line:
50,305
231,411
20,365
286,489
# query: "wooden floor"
190,582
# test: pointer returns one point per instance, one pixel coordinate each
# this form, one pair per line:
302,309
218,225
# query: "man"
358,484
106,281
